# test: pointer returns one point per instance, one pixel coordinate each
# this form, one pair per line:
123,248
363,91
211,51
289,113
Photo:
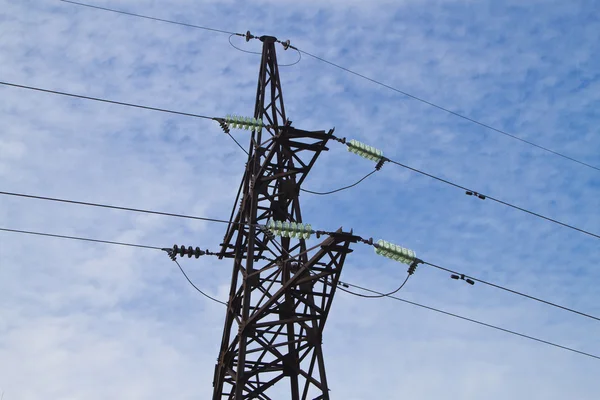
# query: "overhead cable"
469,320
80,238
505,203
341,288
138,210
456,114
407,256
375,296
340,189
67,201
376,155
272,224
120,103
152,18
511,291
372,80
468,191
196,287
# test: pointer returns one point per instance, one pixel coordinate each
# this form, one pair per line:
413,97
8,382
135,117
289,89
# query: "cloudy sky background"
91,321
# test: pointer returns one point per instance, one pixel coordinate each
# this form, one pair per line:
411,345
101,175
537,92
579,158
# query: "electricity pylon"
280,294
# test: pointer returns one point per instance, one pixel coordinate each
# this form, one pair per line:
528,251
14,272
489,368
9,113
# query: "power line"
120,103
228,222
151,18
513,291
377,82
350,285
319,193
54,199
80,238
482,196
470,320
546,149
342,188
238,143
113,243
139,210
392,161
196,287
377,296
167,214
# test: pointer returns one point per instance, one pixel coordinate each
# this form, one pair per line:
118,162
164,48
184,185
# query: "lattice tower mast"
280,294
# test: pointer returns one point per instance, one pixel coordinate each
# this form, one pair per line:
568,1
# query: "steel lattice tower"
280,294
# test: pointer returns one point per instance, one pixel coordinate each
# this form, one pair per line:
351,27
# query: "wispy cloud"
94,321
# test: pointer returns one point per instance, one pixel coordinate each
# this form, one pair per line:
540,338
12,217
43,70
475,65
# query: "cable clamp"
350,236
337,139
170,253
368,241
463,277
474,193
264,229
223,125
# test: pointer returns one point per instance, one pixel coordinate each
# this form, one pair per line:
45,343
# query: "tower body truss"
281,292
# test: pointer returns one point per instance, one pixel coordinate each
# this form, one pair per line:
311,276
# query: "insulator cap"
290,229
224,126
413,267
380,163
395,252
365,151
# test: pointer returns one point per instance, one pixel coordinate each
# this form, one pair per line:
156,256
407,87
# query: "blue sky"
95,321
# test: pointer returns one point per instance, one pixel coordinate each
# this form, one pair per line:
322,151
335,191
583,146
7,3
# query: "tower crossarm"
296,150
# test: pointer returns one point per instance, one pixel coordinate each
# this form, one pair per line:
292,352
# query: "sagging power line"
511,332
374,154
296,229
372,80
353,145
142,246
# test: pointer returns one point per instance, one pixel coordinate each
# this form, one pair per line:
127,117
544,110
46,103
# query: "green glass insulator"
395,252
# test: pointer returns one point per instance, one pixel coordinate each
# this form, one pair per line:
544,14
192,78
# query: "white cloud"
92,321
